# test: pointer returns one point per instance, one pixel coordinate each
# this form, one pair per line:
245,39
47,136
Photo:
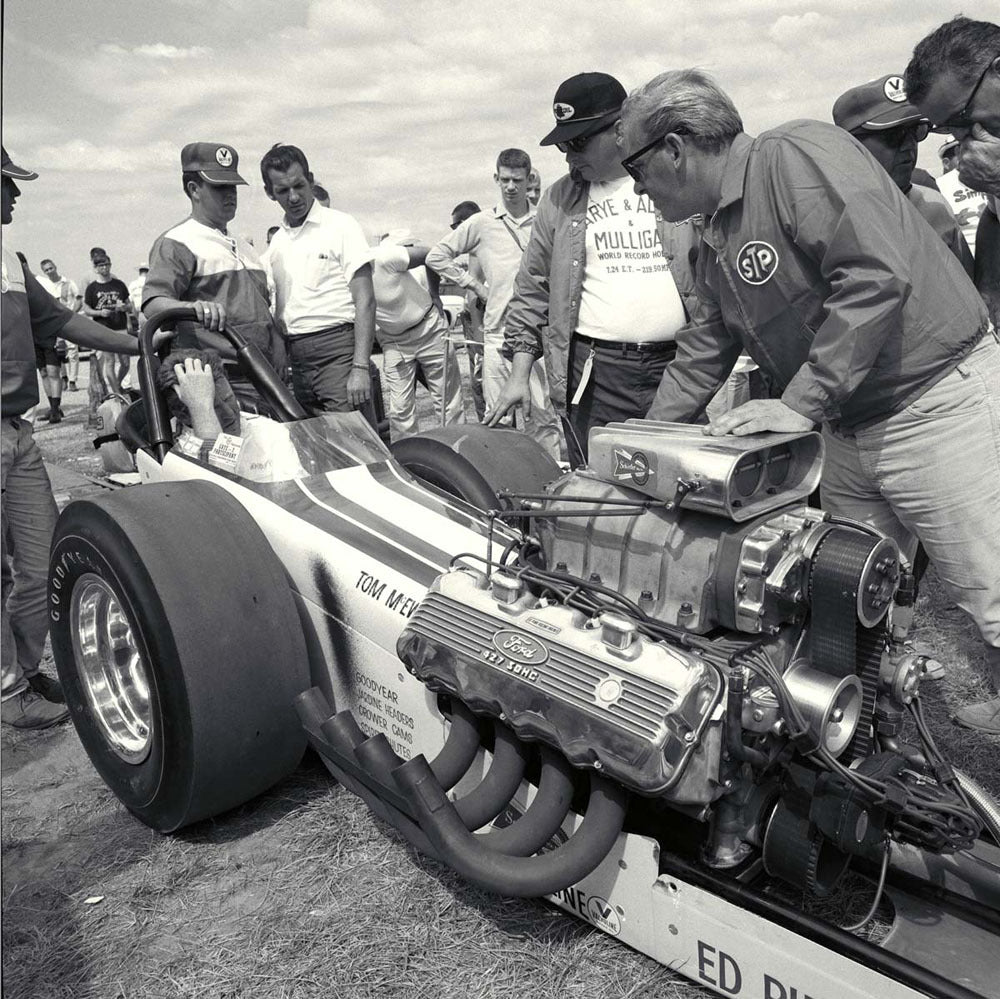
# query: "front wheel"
179,647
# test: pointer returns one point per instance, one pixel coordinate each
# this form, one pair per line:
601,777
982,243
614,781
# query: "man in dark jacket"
31,316
954,78
820,268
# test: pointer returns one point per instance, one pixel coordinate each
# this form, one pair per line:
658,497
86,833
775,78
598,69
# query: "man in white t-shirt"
66,291
603,286
967,204
320,262
411,329
496,240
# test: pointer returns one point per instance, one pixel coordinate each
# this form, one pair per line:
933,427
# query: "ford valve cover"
606,696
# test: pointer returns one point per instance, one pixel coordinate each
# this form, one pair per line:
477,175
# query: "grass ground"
302,893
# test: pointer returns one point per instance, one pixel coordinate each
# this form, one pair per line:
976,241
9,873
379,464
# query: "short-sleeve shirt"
30,316
628,293
105,295
401,301
194,262
312,265
64,289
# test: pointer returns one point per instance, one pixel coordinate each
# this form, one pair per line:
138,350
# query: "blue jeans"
931,473
28,516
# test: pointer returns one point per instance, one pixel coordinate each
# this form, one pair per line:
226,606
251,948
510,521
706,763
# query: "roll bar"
249,357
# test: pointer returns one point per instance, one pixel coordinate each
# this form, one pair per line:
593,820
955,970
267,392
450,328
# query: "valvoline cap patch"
894,89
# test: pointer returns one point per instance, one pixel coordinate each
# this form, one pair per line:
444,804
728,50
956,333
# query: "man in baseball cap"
201,264
603,286
212,161
584,105
881,118
31,317
12,170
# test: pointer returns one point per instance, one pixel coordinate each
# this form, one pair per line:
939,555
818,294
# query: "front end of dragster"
682,651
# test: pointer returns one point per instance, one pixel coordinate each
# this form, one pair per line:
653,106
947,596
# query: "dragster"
661,691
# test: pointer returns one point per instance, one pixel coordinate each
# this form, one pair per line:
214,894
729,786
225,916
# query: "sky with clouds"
400,106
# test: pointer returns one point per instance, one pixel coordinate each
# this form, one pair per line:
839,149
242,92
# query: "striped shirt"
194,262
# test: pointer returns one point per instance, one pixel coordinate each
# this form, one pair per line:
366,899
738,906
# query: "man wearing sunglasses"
817,265
604,285
880,117
954,78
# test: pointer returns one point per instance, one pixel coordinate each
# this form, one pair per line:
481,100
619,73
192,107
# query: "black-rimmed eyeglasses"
962,119
629,163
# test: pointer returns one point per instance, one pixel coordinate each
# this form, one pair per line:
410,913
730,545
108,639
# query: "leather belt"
624,347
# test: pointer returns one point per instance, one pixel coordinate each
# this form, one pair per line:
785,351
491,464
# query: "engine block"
606,696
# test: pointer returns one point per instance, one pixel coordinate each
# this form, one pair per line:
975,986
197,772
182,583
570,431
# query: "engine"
679,620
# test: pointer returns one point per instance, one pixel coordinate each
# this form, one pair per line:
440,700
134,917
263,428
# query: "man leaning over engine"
818,266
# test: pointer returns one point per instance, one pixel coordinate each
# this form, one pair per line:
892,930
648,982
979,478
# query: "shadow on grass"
310,781
46,921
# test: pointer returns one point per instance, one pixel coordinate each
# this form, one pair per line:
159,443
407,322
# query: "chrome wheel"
111,668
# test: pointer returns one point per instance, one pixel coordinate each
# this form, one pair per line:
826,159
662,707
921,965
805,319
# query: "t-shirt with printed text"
628,292
106,295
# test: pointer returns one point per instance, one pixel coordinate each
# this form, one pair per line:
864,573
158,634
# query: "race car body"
651,689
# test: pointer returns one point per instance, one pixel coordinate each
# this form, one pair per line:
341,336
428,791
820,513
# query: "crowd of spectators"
808,277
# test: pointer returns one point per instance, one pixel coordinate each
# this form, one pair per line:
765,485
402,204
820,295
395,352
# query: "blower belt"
834,582
840,644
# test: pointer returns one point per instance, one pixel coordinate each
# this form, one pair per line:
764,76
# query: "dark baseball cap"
11,169
214,161
584,104
875,106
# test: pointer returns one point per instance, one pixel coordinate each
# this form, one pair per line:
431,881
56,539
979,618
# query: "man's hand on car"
758,416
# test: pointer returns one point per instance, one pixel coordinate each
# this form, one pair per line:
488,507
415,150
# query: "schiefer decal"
632,465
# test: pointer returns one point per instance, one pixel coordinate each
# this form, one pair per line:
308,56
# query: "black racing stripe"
366,539
327,493
454,510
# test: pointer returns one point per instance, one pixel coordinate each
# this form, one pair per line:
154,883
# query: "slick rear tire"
474,462
438,465
179,648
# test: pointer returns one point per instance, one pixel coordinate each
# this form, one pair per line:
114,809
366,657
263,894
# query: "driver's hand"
359,387
515,392
195,385
757,416
211,315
